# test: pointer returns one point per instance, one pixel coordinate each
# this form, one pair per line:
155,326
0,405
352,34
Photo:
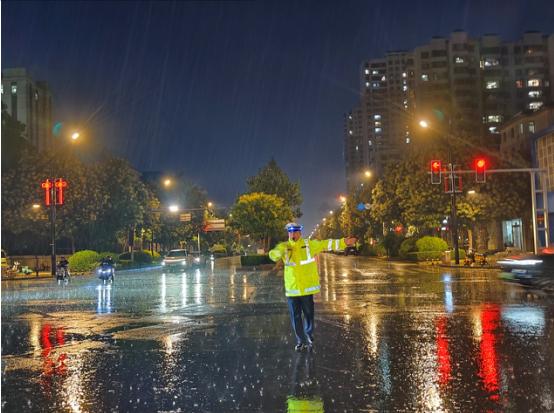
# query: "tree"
262,216
273,180
14,145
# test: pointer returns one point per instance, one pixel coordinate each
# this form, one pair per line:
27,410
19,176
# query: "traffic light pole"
53,227
453,211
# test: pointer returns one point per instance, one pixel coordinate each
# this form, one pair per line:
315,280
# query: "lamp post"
453,212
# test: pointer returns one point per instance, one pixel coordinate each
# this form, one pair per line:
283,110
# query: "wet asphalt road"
388,338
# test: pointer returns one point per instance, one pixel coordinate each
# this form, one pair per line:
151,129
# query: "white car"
176,259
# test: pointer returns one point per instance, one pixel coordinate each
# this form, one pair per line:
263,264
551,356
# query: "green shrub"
391,243
83,261
407,247
141,257
251,260
373,250
430,247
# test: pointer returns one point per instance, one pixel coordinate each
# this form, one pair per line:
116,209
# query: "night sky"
217,89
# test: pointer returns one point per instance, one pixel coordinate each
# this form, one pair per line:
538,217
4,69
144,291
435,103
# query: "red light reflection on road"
443,352
488,359
51,365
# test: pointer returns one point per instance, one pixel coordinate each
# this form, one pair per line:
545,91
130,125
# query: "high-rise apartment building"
29,102
477,83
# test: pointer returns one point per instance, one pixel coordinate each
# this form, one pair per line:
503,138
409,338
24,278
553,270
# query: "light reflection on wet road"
389,337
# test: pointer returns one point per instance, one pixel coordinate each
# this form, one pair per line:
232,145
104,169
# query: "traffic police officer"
302,278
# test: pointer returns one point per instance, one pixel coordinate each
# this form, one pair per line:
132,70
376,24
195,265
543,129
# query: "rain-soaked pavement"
389,337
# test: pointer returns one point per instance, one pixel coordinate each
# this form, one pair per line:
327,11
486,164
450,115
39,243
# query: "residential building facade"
476,83
30,102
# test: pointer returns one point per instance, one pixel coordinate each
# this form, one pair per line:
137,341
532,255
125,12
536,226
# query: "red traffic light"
47,186
436,172
60,184
480,170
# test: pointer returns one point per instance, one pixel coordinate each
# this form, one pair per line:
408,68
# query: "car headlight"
163,262
184,262
197,259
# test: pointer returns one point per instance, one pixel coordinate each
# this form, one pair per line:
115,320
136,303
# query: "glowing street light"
424,124
367,174
75,135
342,198
471,192
36,206
173,208
167,182
210,204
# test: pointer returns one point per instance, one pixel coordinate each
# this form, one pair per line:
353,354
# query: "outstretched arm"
277,253
317,246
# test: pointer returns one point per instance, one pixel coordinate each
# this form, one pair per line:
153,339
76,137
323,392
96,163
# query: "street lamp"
330,212
471,192
167,182
453,214
367,174
342,198
210,204
173,208
36,206
75,135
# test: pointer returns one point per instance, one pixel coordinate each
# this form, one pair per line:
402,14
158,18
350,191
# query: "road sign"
212,225
187,217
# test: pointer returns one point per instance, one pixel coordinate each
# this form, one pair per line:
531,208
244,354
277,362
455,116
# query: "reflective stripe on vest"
309,258
330,245
293,291
310,289
337,244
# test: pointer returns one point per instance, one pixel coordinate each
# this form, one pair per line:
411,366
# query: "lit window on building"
375,85
404,88
408,140
370,143
377,117
535,105
494,118
1,89
535,93
519,84
533,83
490,61
531,127
492,84
378,130
14,88
492,129
350,117
366,71
350,132
366,84
459,59
357,147
424,77
377,123
521,128
36,95
374,72
404,74
384,78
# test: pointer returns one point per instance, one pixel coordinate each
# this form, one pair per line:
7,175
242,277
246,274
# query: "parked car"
176,259
5,265
531,270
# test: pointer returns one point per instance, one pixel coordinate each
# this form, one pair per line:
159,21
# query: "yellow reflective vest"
301,275
302,405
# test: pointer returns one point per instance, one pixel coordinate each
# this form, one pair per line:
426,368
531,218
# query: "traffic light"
480,170
435,172
47,186
60,185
